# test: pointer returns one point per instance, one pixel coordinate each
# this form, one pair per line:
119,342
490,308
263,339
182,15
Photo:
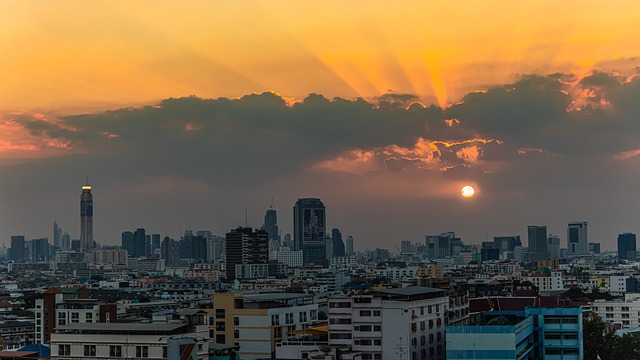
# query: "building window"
220,313
142,351
334,305
164,352
340,336
377,328
64,350
236,334
365,312
376,312
220,326
115,351
89,350
75,317
236,320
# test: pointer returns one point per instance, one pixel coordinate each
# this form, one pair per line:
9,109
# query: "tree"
598,339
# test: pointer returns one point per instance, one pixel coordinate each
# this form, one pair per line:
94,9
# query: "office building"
245,246
349,250
443,245
627,246
170,252
39,250
155,243
537,236
577,243
127,242
594,248
18,248
553,246
139,242
338,244
256,322
506,243
66,241
271,224
57,235
309,226
400,323
86,219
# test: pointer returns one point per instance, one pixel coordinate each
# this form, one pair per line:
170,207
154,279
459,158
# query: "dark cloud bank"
543,150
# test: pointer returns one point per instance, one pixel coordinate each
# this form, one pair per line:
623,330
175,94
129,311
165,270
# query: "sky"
195,114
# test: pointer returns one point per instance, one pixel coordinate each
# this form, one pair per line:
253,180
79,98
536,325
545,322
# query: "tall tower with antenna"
86,218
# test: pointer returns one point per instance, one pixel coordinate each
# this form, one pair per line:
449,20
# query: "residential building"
349,248
128,341
257,322
245,246
391,324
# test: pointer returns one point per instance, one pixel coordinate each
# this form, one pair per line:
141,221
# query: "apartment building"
389,324
255,322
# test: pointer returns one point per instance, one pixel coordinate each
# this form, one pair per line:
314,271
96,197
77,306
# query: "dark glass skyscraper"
338,244
127,243
627,246
538,243
271,224
309,227
86,218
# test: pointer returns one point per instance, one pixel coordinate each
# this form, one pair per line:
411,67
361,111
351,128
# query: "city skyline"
379,113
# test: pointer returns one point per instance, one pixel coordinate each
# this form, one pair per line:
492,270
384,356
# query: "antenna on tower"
246,216
272,198
86,179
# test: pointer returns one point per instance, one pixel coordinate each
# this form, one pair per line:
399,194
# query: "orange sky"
67,56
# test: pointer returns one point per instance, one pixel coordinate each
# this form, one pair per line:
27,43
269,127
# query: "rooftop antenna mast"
246,216
272,198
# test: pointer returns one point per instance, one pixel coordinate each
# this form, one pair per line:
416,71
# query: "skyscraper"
57,234
338,244
553,246
18,248
577,243
309,226
538,243
139,241
127,243
349,250
626,246
271,224
86,218
245,246
40,249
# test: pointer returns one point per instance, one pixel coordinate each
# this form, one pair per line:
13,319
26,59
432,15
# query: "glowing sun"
467,192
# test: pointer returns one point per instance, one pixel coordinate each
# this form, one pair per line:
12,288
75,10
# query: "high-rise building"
349,250
18,248
309,225
245,246
594,248
170,252
86,218
538,243
271,224
506,243
626,246
40,249
66,241
577,243
443,245
57,234
139,241
155,242
553,246
338,244
127,242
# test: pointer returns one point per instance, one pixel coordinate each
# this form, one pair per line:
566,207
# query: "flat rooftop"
411,293
123,328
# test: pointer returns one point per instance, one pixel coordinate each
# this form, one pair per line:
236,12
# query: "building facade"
86,219
310,228
577,242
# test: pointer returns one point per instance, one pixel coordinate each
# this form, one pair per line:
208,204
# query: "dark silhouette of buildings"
627,246
309,226
127,242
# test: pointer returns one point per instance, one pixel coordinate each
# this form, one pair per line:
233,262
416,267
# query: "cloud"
524,145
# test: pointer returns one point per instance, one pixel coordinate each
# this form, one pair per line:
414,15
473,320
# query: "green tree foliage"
601,341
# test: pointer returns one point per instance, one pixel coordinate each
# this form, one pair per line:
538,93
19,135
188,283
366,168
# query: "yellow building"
552,264
255,322
433,271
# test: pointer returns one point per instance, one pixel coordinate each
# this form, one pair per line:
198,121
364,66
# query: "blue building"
535,333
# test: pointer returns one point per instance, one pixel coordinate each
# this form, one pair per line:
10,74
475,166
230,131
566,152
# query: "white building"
577,242
292,258
618,284
126,341
391,324
625,313
546,283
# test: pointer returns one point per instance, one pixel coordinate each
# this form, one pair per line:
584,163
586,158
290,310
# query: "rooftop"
123,328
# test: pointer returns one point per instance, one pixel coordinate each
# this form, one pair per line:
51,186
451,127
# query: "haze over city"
191,113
